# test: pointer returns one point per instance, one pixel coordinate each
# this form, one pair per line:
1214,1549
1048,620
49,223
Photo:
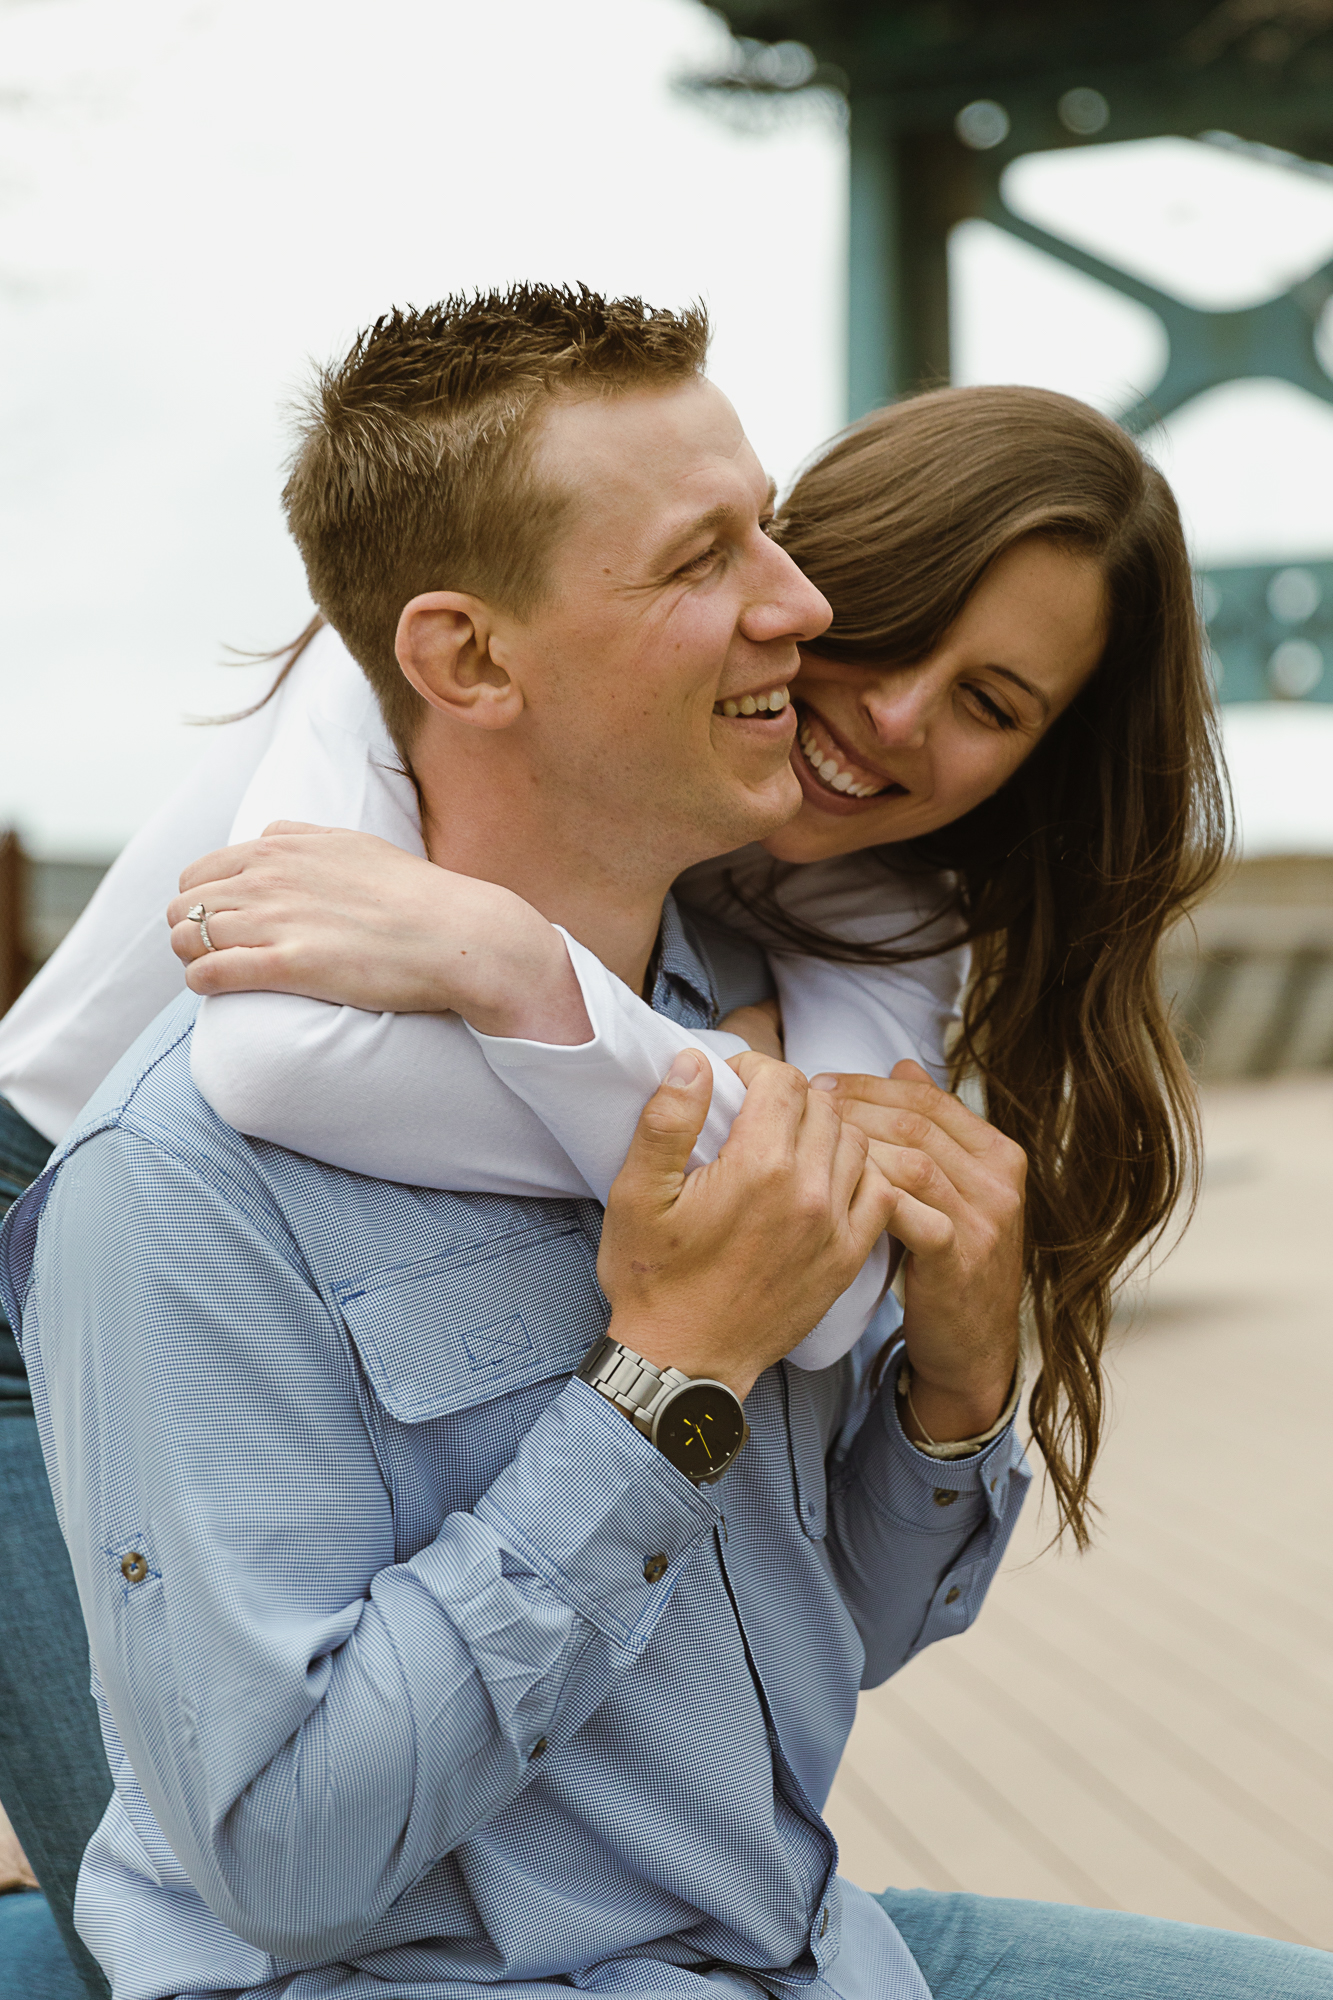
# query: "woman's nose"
899,712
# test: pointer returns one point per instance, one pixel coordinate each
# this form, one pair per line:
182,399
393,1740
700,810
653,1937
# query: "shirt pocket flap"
445,1333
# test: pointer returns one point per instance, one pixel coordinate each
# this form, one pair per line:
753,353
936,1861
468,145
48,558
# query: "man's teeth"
771,702
829,769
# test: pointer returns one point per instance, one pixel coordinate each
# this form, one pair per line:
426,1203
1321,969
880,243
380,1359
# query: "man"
423,1670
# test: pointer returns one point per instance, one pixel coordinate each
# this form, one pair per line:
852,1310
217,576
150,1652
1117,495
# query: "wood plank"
1151,1726
985,1841
875,1847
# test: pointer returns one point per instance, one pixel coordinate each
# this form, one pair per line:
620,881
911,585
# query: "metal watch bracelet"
631,1383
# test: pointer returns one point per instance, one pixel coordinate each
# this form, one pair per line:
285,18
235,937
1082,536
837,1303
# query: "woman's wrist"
940,1414
520,983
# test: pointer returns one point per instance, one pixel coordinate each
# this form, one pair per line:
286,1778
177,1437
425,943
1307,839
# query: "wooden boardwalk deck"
1150,1727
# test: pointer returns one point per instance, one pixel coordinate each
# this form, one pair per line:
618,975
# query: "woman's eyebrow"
1007,673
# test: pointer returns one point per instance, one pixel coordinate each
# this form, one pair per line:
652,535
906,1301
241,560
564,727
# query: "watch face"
700,1430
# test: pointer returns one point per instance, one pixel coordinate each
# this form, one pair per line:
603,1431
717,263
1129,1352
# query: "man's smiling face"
655,673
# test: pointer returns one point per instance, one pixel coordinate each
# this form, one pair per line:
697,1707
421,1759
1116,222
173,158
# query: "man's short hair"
414,466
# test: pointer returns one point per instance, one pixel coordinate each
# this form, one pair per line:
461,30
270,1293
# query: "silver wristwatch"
696,1423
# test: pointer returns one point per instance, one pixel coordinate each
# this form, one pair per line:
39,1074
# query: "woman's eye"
997,714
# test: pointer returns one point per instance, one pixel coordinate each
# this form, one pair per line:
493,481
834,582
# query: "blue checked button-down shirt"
395,1698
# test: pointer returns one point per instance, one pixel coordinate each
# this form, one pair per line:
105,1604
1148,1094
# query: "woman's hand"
348,918
760,1026
961,1219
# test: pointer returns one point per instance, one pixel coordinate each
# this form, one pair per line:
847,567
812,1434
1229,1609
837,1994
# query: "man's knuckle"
1009,1203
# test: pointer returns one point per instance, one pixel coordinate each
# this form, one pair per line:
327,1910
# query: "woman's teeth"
828,768
771,702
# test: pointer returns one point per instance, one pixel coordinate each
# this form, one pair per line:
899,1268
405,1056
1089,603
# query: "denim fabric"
53,1775
990,1948
23,1154
34,1964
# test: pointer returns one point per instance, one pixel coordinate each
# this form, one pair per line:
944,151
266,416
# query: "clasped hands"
723,1270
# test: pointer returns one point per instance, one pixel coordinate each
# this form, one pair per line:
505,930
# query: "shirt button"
823,1928
952,1596
538,1747
134,1567
945,1496
655,1569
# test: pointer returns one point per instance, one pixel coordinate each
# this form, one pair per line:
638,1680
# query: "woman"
1107,825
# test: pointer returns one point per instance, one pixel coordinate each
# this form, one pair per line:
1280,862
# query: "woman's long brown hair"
1068,877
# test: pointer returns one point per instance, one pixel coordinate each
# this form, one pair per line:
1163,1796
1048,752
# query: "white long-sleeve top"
423,1098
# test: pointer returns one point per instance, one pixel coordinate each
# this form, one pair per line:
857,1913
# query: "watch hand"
703,1440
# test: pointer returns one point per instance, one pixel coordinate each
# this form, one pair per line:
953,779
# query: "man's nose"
786,605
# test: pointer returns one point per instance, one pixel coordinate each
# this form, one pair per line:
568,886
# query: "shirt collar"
682,984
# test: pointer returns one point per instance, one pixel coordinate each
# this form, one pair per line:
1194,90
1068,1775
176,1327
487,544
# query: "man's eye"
697,564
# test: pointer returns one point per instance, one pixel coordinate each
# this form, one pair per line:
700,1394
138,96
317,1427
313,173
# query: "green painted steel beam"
1270,627
1163,68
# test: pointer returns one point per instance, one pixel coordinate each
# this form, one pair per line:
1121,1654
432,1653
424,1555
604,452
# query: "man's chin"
769,804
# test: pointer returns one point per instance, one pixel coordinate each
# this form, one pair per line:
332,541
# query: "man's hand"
348,918
722,1271
960,1217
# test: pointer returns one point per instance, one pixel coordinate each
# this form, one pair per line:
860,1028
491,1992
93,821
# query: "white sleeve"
423,1099
418,1097
116,970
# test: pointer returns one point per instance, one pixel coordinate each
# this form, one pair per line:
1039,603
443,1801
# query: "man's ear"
446,645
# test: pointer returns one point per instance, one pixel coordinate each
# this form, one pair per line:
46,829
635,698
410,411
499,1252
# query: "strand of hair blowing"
1068,878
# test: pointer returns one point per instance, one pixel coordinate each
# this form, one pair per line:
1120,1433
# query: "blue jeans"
989,1948
54,1782
968,1947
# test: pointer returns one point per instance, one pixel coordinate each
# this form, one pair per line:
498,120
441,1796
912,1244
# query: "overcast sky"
199,196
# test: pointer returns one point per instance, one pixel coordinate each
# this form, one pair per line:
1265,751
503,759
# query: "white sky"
199,195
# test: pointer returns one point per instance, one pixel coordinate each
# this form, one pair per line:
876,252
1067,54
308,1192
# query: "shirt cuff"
934,1494
599,1513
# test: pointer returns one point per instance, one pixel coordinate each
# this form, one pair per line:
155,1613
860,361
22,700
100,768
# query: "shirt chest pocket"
441,1334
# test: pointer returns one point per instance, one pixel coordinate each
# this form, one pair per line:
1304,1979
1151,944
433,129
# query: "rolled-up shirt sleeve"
915,1541
313,1723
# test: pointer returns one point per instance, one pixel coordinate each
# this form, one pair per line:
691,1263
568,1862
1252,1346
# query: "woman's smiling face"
886,753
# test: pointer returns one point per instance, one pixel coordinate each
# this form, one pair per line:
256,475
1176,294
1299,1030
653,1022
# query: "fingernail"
683,1070
825,1082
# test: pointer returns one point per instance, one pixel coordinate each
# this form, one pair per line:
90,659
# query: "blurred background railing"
39,902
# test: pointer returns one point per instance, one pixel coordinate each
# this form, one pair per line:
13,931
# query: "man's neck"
480,829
